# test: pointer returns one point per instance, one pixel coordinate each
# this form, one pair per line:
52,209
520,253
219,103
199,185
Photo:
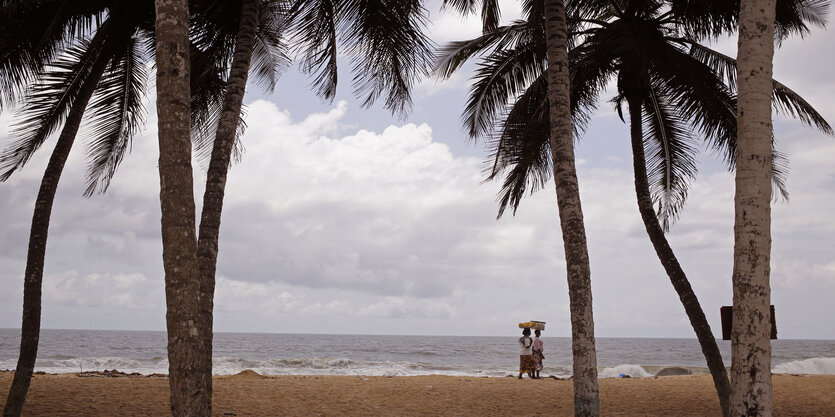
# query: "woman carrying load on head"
526,361
537,353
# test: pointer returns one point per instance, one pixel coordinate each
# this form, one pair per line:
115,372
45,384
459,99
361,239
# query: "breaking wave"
807,366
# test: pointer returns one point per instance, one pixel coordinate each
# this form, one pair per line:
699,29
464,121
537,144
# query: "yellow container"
533,324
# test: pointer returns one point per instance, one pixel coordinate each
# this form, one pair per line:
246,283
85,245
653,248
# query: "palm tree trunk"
670,262
207,246
33,278
188,370
751,346
586,393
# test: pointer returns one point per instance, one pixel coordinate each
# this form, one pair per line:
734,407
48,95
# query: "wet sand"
250,394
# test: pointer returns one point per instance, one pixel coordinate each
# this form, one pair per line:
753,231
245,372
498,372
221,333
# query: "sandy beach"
250,394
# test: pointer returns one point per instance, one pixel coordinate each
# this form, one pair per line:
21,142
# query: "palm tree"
586,392
390,52
61,90
760,23
254,28
118,113
106,72
187,367
751,347
553,42
668,80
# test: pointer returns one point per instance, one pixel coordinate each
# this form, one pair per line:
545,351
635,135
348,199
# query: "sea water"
317,354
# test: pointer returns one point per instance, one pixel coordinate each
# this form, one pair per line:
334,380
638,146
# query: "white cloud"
332,228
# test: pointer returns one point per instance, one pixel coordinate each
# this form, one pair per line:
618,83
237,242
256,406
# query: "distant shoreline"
510,334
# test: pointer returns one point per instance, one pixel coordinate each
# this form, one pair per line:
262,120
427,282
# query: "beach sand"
249,394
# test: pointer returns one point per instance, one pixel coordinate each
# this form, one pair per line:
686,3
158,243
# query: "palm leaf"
454,54
522,150
670,151
388,49
33,34
499,78
115,114
779,175
270,54
702,98
490,11
313,26
784,99
710,19
48,102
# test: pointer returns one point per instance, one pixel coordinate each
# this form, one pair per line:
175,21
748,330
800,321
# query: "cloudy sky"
347,220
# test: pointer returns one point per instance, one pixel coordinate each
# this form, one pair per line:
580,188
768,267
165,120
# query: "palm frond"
47,103
499,78
592,9
454,54
313,26
701,97
589,72
270,55
33,33
115,114
709,19
491,15
388,48
490,11
722,65
712,109
670,150
779,175
784,99
521,150
795,16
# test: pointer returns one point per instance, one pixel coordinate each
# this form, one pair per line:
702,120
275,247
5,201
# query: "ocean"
64,351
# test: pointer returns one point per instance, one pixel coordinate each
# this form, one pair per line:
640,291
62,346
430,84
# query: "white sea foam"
807,366
634,371
62,364
231,365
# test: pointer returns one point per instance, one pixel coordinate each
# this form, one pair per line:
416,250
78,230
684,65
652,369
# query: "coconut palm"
586,392
232,35
552,43
70,72
751,390
189,395
670,82
389,52
57,62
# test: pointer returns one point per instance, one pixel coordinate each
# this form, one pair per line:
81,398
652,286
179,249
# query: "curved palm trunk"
188,370
586,393
207,247
670,262
33,278
751,346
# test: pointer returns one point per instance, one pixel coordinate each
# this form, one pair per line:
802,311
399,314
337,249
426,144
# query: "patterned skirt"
537,358
526,363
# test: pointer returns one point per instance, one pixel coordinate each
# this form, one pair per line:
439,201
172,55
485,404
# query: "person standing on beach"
537,353
526,362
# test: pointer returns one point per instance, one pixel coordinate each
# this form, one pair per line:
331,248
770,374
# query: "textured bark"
207,247
668,259
751,346
586,394
33,277
189,373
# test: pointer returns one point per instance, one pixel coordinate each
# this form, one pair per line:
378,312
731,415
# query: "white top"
526,343
537,343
